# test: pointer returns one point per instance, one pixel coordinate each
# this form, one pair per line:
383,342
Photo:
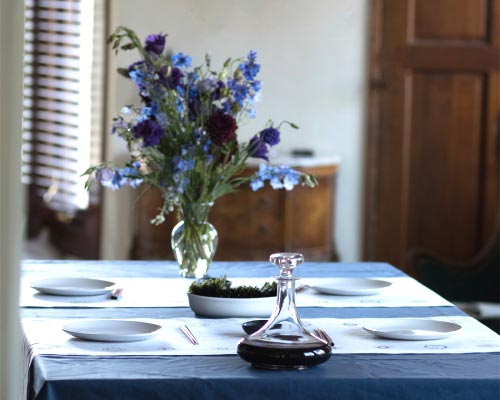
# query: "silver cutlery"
115,294
187,332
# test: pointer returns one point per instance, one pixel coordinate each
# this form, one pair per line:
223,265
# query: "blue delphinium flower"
256,85
104,176
161,118
137,76
183,164
276,182
186,160
130,175
136,66
250,68
239,91
279,177
155,43
146,113
256,184
291,179
146,78
181,60
115,178
117,181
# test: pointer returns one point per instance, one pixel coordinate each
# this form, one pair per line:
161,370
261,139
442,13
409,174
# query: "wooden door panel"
450,19
491,153
432,150
445,160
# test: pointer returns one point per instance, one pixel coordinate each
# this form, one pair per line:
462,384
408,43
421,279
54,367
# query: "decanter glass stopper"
286,262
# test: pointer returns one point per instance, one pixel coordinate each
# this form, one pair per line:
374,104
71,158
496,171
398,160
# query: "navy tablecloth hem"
406,376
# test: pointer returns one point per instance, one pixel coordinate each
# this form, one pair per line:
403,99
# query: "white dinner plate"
221,307
73,286
111,330
351,286
413,329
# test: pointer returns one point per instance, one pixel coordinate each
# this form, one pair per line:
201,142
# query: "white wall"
11,210
312,54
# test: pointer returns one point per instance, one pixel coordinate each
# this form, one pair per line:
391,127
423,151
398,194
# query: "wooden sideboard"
252,225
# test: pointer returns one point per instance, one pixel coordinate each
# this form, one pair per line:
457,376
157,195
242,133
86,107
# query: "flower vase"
194,240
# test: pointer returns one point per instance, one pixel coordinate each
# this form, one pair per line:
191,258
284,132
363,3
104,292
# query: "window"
63,109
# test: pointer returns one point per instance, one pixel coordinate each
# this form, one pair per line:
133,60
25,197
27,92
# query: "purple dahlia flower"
221,128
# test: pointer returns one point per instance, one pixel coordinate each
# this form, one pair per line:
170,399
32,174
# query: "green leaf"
128,46
88,171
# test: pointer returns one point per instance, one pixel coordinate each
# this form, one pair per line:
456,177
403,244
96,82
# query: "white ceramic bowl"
231,307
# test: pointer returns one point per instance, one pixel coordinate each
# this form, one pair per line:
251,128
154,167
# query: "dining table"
463,365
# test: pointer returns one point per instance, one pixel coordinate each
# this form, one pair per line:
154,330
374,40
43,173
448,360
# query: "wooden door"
432,146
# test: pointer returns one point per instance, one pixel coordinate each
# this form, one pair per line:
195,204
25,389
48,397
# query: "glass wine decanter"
283,342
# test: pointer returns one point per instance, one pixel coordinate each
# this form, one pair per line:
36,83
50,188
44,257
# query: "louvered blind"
64,69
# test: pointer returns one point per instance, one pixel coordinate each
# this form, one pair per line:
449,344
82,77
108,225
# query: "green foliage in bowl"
221,287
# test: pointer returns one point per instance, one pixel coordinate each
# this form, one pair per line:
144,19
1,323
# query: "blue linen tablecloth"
344,376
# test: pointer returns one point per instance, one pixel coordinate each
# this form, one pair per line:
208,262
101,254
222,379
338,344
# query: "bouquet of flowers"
183,139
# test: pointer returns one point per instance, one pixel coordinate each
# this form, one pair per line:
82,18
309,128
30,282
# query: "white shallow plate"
413,329
351,286
230,307
73,286
111,330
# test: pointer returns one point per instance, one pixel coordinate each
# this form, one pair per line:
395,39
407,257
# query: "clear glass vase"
194,240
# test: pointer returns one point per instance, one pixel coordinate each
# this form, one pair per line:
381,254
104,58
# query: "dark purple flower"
221,128
194,103
155,43
175,78
218,92
258,148
150,131
271,136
